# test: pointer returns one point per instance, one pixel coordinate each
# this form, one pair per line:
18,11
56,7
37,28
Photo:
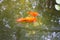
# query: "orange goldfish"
33,13
26,19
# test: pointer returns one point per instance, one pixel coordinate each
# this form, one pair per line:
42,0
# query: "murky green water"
47,26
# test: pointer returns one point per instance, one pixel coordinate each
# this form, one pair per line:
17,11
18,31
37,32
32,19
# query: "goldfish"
31,18
33,13
26,19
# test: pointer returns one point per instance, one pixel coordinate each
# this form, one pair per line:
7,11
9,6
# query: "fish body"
30,19
26,19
